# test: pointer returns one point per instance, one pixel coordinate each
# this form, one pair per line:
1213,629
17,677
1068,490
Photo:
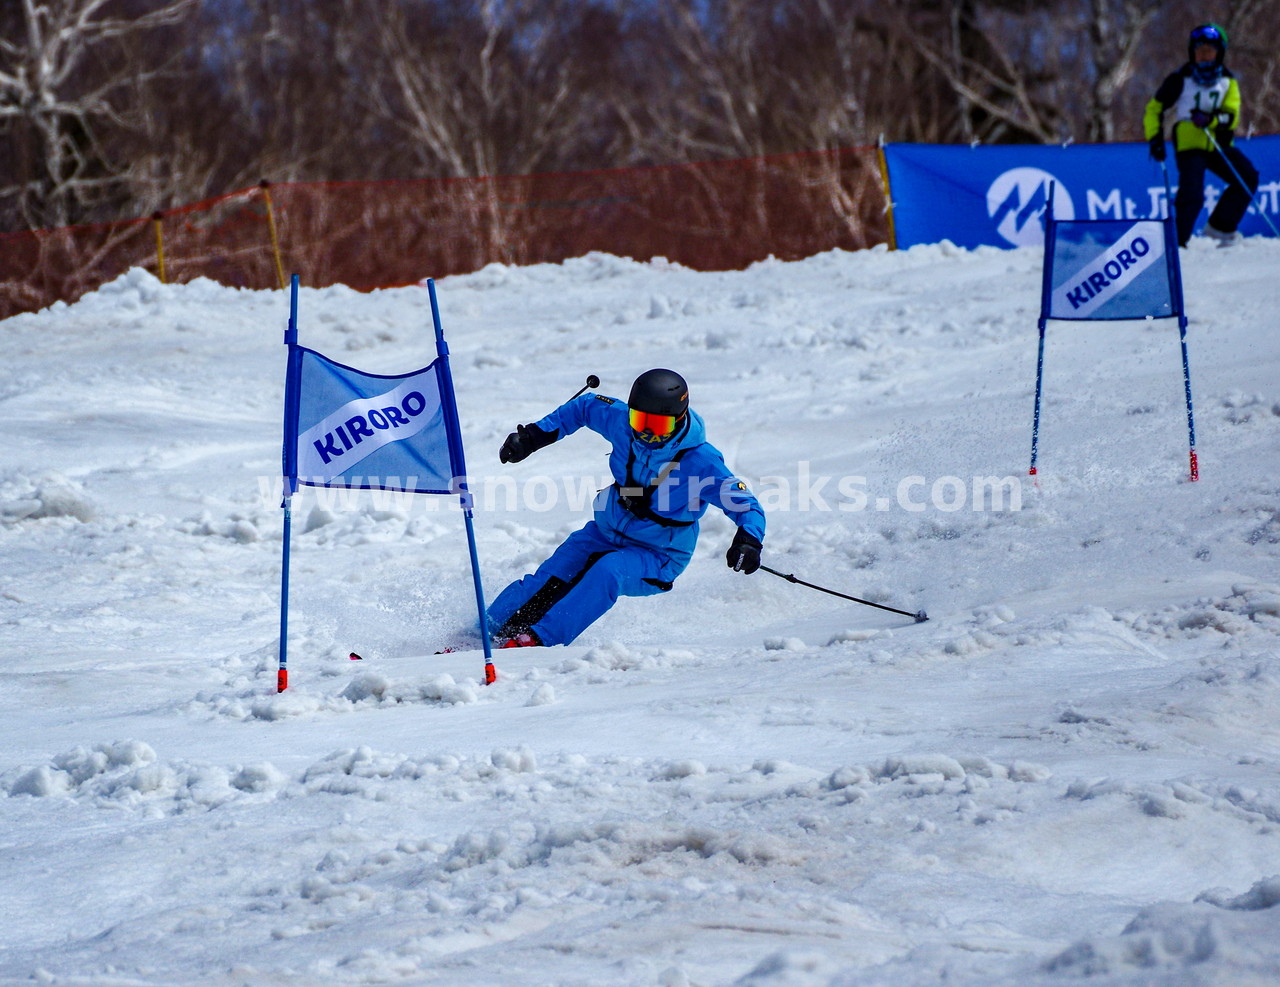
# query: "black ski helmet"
1208,34
660,392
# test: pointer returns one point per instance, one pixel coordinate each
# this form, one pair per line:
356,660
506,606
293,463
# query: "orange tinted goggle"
659,425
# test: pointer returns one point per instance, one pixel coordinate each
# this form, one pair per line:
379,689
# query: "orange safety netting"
709,216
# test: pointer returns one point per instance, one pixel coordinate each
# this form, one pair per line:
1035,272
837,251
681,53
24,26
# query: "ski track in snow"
1070,773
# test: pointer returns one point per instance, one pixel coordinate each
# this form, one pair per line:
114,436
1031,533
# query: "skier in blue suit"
645,527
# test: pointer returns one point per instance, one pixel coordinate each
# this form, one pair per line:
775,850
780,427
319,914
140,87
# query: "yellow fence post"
271,225
888,197
157,218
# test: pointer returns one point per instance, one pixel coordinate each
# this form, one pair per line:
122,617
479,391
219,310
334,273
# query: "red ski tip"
355,657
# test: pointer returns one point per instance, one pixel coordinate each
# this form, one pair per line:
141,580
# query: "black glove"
744,553
1223,135
524,442
1157,147
1201,119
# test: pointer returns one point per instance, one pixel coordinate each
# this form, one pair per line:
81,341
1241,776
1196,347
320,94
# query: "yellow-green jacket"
1181,93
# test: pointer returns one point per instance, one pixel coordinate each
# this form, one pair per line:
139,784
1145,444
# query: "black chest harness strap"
636,498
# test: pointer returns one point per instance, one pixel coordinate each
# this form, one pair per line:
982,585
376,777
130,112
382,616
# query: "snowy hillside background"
1070,774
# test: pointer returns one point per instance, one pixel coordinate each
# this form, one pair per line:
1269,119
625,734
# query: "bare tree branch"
57,108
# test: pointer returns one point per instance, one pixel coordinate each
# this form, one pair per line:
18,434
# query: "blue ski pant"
581,580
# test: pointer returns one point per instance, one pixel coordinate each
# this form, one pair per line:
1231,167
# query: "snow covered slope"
1070,773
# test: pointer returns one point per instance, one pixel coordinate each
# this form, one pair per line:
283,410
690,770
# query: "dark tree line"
116,108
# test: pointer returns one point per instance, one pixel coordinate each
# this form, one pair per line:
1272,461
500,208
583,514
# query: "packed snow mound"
127,774
50,495
1176,942
1069,774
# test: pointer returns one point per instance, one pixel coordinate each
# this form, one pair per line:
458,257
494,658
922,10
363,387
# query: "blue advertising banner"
996,195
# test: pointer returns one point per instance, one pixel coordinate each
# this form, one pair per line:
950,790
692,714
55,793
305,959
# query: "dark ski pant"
1190,198
571,590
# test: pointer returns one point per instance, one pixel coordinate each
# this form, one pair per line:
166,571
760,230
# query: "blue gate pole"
454,428
1186,382
1046,294
282,674
1175,286
290,462
1035,421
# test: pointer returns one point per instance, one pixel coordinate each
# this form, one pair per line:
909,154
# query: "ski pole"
592,381
1252,195
1168,189
920,616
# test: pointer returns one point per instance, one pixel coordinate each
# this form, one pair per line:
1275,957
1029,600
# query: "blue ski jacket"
659,491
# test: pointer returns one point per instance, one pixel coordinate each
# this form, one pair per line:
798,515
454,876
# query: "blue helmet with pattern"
1215,37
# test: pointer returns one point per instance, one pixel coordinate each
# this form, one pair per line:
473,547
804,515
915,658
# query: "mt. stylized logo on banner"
1016,202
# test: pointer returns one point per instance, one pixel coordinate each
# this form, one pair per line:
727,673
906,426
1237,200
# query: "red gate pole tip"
282,680
490,673
1195,467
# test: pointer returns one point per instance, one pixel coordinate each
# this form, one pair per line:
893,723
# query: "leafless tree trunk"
114,108
57,103
494,87
1253,27
1001,96
1116,30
